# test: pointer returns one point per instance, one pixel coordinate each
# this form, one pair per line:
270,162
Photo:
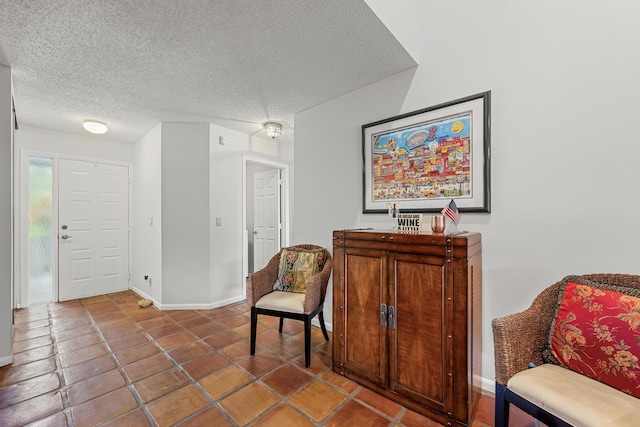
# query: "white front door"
93,231
266,217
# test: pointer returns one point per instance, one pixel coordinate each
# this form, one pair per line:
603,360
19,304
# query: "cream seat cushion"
575,398
291,302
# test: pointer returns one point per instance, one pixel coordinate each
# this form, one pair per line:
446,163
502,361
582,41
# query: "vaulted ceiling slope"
235,63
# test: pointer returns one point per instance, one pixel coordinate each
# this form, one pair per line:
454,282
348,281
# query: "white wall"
564,150
226,203
185,212
71,145
6,226
147,218
227,169
184,179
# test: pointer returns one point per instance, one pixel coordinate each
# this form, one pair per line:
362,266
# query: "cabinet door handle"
383,315
392,317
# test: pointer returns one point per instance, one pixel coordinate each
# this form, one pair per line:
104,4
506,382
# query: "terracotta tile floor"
105,361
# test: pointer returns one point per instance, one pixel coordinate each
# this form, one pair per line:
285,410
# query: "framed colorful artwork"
421,160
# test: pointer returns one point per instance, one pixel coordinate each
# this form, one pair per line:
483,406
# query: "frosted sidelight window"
40,233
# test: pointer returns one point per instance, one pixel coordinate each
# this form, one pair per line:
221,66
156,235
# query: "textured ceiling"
235,63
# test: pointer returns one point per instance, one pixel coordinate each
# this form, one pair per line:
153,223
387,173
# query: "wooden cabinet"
407,318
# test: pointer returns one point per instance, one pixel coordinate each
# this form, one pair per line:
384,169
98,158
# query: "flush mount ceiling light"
95,126
273,129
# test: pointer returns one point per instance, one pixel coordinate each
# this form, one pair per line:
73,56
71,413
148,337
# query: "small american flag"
451,211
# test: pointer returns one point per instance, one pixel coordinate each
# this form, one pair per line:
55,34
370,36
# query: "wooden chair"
285,304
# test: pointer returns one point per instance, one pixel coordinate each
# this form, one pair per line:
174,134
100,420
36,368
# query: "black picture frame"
420,160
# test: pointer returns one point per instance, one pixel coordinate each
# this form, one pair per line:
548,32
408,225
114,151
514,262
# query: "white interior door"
266,217
93,234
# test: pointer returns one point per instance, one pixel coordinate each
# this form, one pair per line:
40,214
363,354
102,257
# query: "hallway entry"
265,207
266,216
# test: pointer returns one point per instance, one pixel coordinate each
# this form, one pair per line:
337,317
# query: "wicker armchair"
264,300
519,342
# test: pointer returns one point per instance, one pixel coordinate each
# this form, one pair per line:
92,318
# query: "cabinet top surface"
422,237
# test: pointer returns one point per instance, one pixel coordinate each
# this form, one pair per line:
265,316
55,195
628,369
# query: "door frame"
284,202
21,230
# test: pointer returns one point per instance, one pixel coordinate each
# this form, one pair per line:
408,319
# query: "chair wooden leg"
281,324
324,329
307,341
254,327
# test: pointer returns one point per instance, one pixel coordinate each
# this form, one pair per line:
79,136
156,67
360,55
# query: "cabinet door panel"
365,337
417,344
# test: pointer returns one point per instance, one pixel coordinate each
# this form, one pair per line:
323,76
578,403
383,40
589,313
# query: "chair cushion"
558,391
596,332
296,267
290,302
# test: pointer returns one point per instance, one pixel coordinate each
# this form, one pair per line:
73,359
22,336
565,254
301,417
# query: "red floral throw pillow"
597,333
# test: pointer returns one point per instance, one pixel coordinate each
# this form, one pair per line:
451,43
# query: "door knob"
65,237
255,232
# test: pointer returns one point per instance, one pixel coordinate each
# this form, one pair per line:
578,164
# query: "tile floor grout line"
144,406
285,400
58,371
213,402
119,367
257,379
228,323
64,387
128,383
254,380
189,378
105,343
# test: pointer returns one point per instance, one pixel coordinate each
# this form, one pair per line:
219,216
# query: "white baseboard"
207,306
488,385
316,322
7,360
146,296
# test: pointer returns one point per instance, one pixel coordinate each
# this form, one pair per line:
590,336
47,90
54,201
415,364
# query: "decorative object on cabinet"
407,311
409,222
452,213
292,285
437,223
424,157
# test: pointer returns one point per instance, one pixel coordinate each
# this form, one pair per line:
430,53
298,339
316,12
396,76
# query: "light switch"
218,222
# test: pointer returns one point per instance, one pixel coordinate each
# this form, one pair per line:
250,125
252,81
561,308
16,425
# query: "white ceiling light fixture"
273,129
94,126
